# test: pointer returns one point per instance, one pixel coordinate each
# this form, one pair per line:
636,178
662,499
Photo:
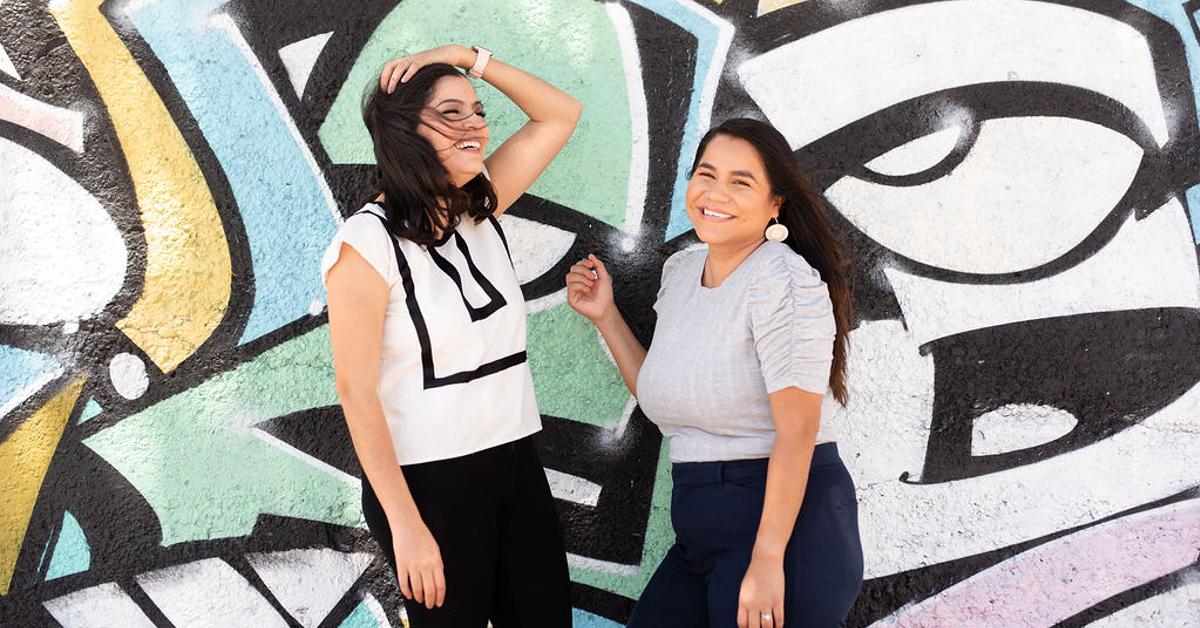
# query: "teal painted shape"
72,554
584,619
561,341
90,411
206,471
360,617
19,371
591,174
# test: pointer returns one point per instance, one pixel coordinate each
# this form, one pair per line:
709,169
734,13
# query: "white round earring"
777,232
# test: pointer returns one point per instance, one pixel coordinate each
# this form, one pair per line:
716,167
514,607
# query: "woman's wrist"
466,56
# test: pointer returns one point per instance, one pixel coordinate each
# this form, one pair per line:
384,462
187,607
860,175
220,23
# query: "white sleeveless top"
453,379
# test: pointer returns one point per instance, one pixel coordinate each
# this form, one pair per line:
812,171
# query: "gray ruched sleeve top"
718,353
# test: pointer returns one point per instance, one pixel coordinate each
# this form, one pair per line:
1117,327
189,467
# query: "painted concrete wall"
1016,179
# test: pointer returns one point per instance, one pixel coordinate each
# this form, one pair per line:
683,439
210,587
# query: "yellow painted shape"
767,6
188,270
24,458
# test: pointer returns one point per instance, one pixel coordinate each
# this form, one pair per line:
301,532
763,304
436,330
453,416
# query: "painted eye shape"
993,197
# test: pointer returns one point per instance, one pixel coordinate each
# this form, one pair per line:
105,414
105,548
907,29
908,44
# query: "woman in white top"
751,334
428,330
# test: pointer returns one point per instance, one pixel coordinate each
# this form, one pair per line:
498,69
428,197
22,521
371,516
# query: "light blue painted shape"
90,410
1193,201
21,369
1172,11
282,198
584,619
360,617
706,34
72,553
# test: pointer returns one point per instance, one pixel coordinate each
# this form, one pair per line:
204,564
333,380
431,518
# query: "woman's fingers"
439,584
428,588
405,589
601,270
398,71
777,615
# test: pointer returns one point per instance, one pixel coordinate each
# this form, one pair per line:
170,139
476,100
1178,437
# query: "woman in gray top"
751,335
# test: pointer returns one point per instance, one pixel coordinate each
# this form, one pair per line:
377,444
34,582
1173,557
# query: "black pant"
715,510
496,526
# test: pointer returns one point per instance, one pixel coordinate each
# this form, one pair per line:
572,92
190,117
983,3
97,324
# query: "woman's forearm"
628,353
787,478
541,101
373,445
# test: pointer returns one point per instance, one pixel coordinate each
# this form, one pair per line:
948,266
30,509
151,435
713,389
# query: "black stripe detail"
504,239
430,378
495,299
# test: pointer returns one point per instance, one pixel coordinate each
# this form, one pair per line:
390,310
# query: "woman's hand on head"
400,70
589,289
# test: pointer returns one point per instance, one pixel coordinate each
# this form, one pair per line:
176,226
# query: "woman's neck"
722,260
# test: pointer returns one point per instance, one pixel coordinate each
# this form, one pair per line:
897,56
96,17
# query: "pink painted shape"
61,125
1052,582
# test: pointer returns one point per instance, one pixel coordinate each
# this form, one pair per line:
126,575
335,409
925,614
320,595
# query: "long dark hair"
805,213
419,198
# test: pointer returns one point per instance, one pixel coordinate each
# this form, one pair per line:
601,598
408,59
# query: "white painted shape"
208,593
544,303
309,582
592,564
918,155
639,160
906,526
1150,263
225,22
1178,608
128,374
1015,202
886,423
70,327
924,48
102,606
316,307
56,123
6,64
536,247
573,488
62,256
300,57
1018,426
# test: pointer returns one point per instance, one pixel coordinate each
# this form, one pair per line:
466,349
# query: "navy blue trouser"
715,510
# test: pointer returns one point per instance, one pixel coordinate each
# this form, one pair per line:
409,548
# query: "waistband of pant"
716,472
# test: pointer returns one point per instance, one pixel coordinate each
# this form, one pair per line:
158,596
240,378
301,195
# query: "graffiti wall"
1017,179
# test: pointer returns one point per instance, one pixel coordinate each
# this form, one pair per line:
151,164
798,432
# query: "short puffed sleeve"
368,236
670,275
792,323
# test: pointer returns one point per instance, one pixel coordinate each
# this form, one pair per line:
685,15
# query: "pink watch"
482,55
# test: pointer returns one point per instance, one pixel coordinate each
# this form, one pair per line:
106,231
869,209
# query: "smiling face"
729,198
453,123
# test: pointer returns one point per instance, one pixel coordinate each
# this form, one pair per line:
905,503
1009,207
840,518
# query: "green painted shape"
197,460
72,554
659,538
572,375
90,411
572,45
360,617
